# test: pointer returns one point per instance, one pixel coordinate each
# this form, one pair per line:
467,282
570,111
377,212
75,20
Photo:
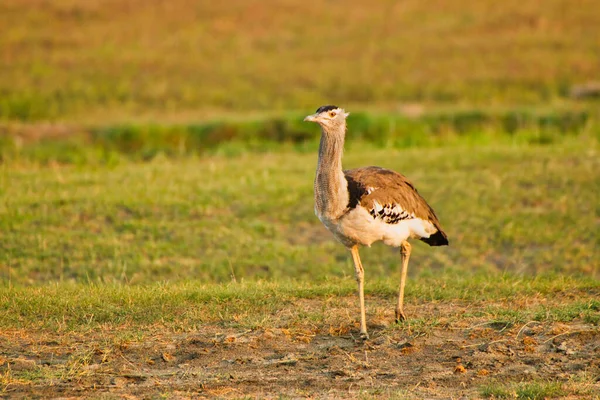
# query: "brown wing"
390,196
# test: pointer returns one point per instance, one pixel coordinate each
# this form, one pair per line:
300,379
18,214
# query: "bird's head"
329,117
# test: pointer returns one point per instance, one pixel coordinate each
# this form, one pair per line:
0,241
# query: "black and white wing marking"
390,213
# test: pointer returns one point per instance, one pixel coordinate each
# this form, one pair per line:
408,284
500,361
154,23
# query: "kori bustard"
363,205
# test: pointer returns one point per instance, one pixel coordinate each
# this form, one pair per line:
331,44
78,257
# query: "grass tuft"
524,390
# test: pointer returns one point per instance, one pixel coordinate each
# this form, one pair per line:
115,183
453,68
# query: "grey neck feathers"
331,187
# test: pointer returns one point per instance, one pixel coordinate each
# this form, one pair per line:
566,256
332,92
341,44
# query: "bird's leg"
405,253
360,278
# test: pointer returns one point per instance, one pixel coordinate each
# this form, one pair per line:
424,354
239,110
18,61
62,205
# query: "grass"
186,306
581,386
524,391
99,332
111,144
82,61
105,265
250,217
156,191
143,243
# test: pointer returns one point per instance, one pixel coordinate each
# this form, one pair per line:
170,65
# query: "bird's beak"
311,118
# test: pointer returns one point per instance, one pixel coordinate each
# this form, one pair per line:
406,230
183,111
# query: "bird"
368,204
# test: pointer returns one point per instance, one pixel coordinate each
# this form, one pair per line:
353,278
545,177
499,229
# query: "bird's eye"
332,114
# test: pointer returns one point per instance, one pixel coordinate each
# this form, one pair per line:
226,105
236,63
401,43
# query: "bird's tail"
437,239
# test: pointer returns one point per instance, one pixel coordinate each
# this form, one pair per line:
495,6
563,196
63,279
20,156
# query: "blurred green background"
145,140
109,60
107,63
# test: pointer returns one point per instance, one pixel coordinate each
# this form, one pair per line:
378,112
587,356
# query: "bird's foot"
364,336
400,316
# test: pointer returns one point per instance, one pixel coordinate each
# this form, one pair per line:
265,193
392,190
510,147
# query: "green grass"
156,178
524,390
506,208
100,62
86,244
100,257
111,144
188,305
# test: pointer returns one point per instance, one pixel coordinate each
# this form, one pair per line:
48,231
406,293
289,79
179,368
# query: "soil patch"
452,355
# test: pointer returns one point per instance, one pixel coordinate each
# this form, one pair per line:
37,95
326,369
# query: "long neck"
331,187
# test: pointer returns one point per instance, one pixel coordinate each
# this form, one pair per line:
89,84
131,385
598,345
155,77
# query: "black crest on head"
325,108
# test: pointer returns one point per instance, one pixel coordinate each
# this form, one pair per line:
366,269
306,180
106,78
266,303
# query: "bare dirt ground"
451,355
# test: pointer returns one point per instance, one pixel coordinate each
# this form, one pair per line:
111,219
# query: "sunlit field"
522,209
99,61
157,227
228,245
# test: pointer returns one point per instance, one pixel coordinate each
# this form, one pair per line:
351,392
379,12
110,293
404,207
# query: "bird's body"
365,205
382,206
